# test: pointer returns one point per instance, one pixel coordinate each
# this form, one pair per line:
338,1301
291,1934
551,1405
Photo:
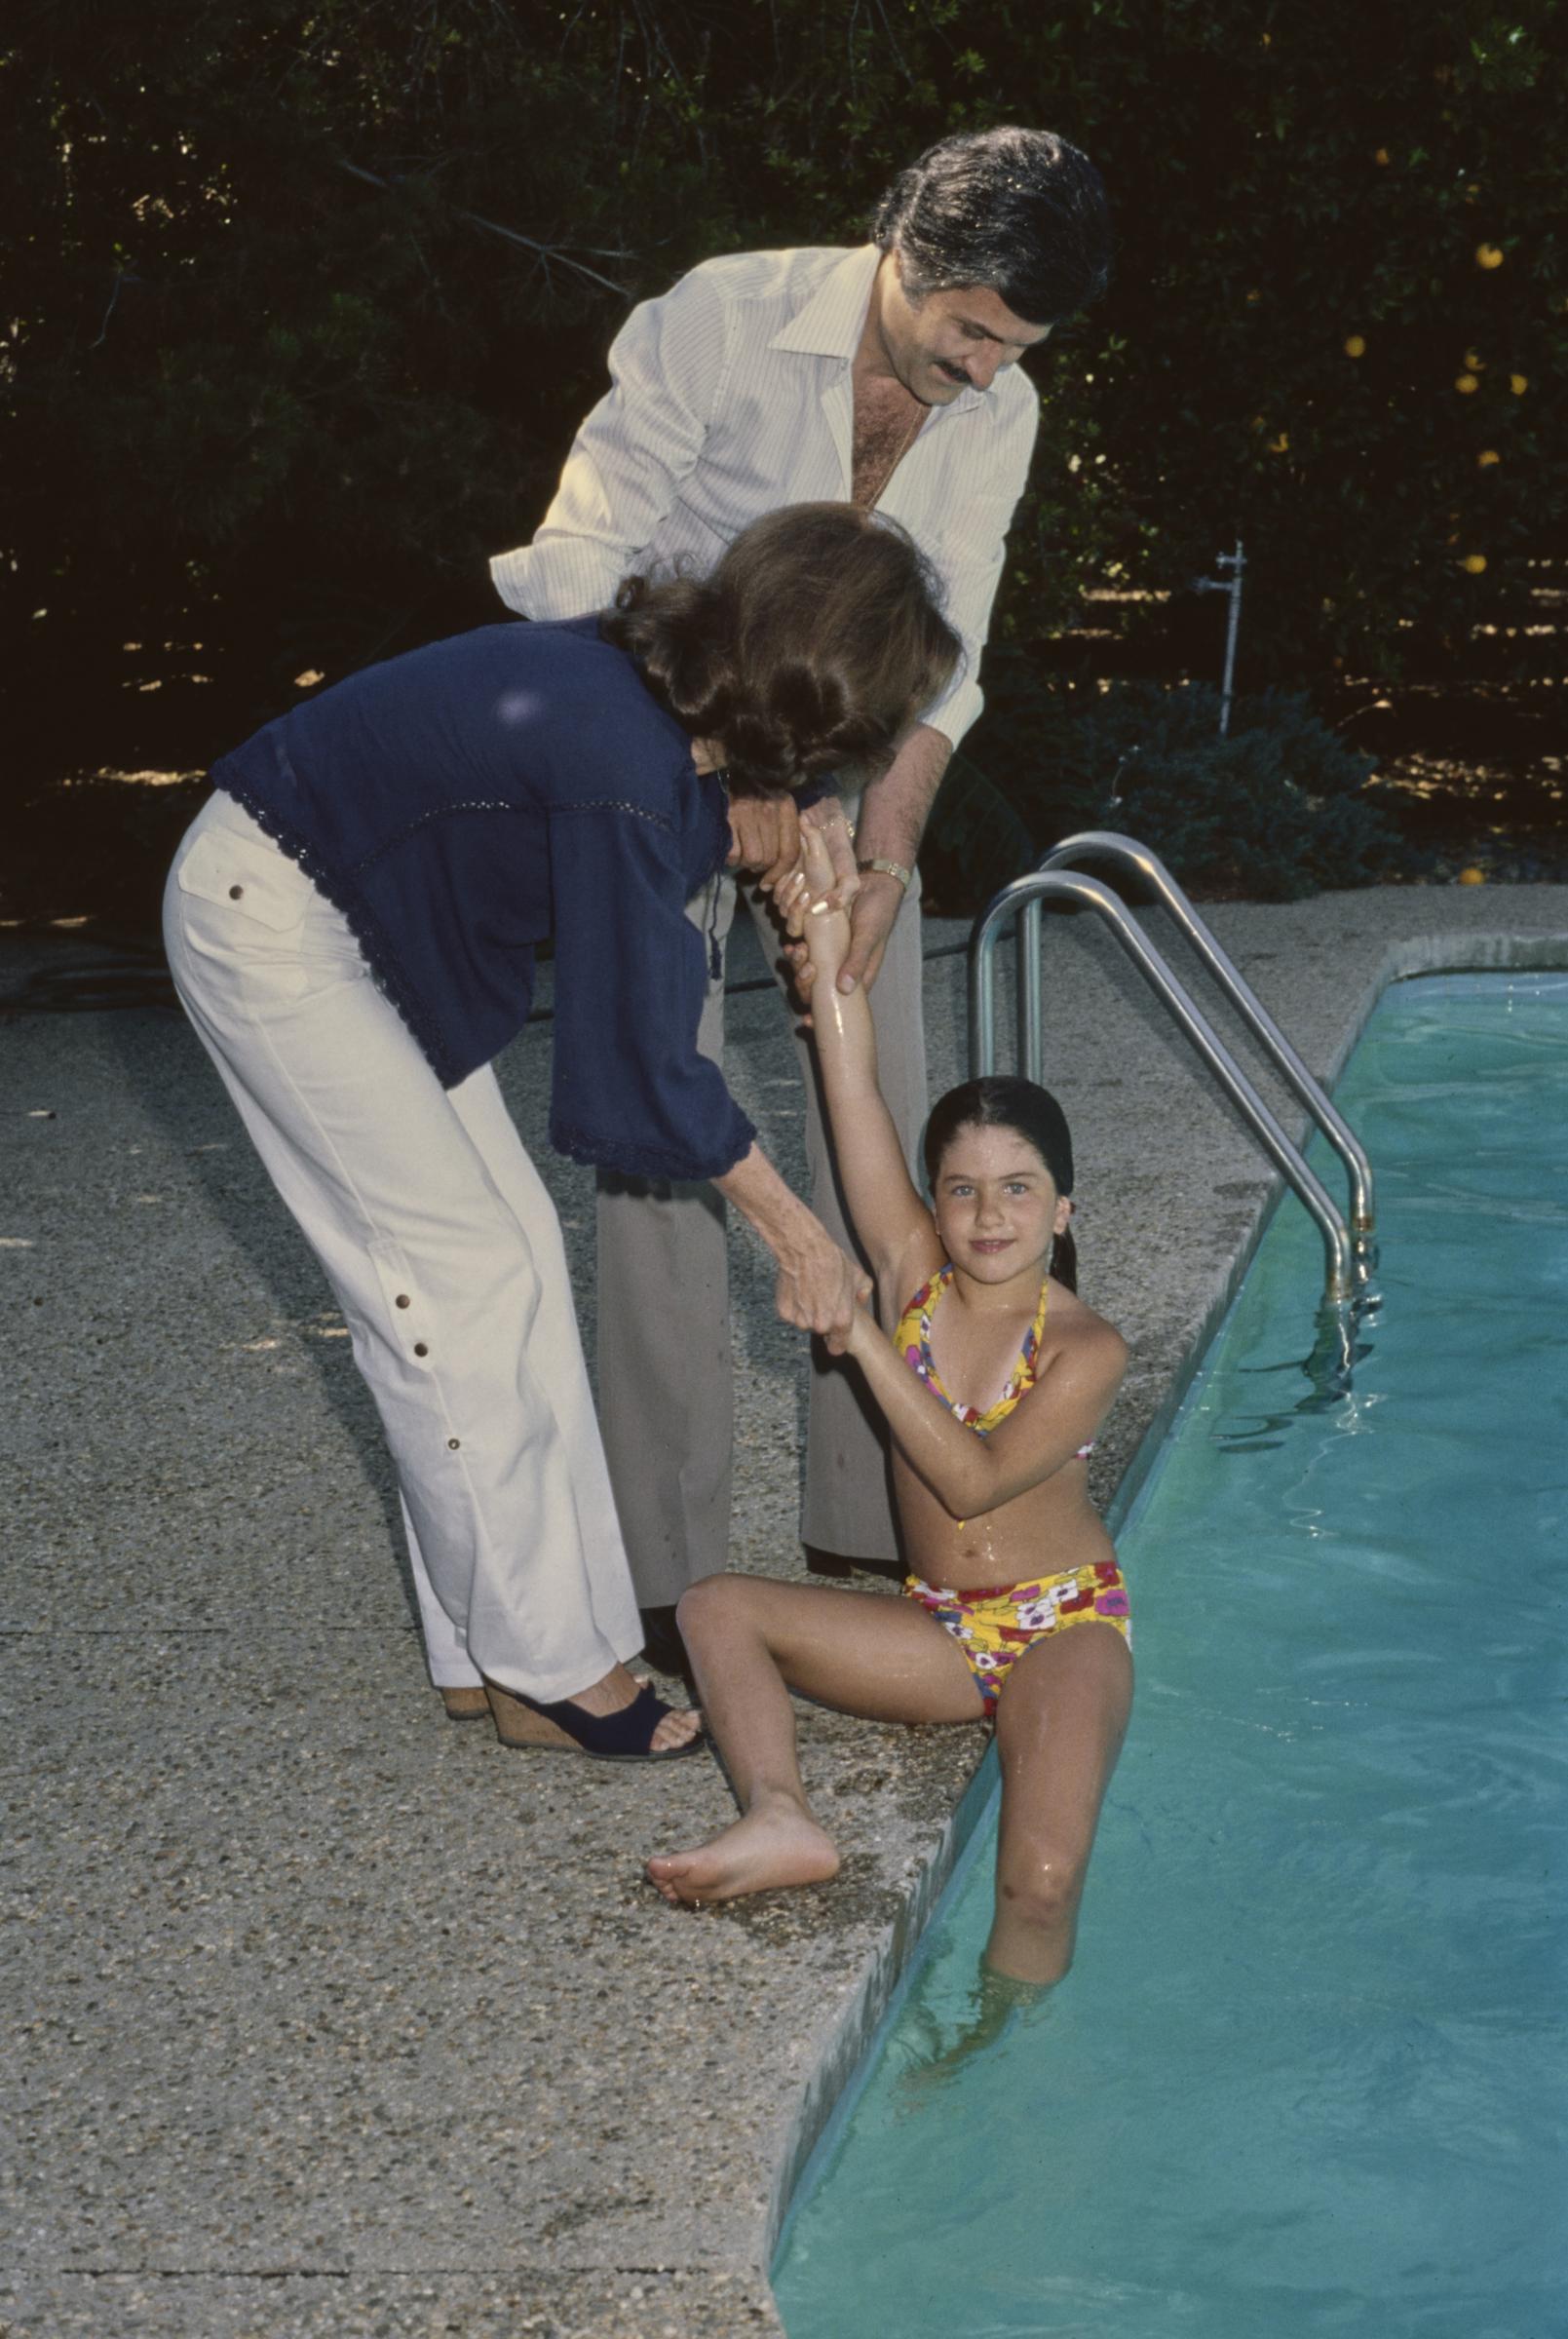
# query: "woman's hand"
824,870
821,1289
765,836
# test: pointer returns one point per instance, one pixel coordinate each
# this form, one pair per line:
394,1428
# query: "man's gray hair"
1021,212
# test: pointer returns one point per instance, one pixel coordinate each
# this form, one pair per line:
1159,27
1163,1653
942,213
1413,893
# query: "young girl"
993,1383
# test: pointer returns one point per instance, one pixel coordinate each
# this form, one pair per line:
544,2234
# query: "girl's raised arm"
889,1219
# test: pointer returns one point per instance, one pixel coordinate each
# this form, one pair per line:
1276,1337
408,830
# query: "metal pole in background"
1235,562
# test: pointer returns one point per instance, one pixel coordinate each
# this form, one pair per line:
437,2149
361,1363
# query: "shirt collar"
829,325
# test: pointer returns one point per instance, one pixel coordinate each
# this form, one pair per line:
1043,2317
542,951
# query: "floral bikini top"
912,1341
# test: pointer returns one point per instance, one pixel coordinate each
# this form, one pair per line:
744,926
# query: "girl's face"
996,1206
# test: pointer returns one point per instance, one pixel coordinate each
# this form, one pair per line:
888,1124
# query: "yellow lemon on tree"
1473,876
1518,383
1465,383
1487,457
1475,563
1281,445
1487,255
1473,364
1382,155
1356,346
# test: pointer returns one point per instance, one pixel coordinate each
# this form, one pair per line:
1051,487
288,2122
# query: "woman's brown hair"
813,642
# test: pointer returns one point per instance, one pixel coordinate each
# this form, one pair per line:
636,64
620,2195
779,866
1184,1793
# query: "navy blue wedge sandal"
563,1728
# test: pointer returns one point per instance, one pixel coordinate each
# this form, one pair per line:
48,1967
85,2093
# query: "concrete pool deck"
331,2018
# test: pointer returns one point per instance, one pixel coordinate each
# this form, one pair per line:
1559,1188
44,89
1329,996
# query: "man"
884,375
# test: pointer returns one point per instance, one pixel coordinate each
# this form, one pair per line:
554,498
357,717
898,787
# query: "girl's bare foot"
777,1843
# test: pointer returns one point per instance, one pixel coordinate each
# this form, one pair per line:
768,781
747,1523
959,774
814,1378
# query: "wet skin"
977,1511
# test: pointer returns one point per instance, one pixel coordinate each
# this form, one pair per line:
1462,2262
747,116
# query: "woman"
352,922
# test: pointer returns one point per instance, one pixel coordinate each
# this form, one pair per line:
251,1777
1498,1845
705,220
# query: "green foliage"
1288,183
306,302
976,842
1276,808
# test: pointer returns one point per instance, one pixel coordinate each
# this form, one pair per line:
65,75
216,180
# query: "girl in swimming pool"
992,1384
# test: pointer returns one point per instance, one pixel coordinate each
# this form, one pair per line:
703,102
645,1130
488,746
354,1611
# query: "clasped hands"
769,837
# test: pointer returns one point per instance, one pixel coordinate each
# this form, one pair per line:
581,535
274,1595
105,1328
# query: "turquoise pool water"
1308,2073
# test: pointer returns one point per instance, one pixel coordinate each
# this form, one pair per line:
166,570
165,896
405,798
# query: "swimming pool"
1307,2073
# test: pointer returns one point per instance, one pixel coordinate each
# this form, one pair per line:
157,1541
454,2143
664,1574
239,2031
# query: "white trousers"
445,1251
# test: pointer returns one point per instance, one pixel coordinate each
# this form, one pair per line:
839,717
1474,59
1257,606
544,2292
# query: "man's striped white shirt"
732,394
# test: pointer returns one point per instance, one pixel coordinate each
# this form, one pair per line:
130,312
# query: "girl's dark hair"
1001,1101
1021,212
814,642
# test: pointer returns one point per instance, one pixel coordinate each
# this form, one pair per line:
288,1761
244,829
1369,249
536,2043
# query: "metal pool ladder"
1350,1250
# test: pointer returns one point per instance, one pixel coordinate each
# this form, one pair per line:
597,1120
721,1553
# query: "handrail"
1088,893
1103,844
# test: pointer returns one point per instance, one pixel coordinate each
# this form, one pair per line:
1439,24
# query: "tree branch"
511,235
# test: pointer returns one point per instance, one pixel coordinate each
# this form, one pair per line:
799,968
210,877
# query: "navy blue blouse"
461,803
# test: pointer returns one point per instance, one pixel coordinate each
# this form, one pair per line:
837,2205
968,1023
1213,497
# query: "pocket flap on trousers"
255,879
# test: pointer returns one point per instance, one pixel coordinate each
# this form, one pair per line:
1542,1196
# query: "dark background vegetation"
303,305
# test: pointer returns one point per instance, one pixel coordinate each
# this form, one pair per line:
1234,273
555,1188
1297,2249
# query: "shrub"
1275,809
309,300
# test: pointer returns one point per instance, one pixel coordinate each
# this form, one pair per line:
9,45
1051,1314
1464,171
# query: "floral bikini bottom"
994,1627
